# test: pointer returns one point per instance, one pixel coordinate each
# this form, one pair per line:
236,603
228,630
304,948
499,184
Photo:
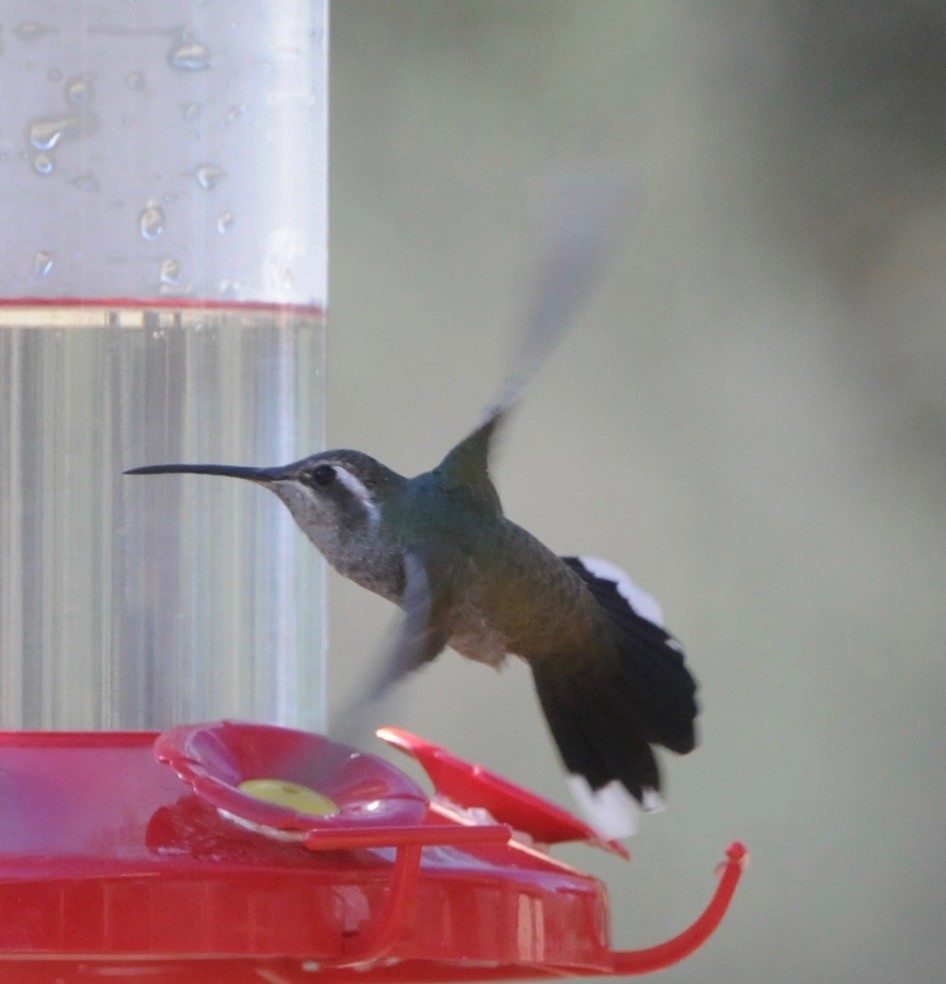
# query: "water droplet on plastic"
45,134
31,30
189,56
224,222
170,275
43,164
78,91
159,334
151,222
208,176
135,80
42,263
191,111
233,114
86,182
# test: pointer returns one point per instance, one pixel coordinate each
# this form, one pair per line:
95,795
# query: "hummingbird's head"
331,495
334,491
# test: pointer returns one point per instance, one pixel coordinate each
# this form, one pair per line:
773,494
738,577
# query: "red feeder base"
144,857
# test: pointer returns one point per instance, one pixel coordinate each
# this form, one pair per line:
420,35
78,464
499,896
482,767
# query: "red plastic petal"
474,786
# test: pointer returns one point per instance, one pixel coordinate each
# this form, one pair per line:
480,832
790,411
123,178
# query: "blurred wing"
420,636
583,215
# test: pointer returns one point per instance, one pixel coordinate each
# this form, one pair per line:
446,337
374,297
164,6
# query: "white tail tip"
612,810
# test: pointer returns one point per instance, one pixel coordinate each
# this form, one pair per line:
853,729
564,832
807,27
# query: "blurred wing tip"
594,196
588,177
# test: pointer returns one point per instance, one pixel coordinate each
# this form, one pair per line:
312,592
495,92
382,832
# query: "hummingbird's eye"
323,475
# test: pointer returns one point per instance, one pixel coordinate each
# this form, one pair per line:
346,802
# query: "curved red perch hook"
387,927
672,951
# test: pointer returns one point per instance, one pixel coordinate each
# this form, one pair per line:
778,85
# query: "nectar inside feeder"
291,795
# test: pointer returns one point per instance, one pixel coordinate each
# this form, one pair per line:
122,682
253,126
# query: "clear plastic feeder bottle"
162,283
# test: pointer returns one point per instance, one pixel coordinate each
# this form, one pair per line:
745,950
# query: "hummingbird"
611,680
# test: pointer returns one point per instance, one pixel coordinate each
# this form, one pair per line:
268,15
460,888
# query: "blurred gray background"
749,415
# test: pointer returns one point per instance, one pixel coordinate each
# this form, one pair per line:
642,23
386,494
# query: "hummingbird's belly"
519,598
489,633
475,638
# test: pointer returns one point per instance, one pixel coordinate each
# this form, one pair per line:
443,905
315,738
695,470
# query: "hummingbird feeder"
164,253
245,852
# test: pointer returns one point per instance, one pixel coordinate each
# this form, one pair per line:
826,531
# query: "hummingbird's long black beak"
264,476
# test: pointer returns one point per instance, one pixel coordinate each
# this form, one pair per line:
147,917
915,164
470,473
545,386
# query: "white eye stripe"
359,490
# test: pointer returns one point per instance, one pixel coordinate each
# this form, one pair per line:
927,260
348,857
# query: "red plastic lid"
115,865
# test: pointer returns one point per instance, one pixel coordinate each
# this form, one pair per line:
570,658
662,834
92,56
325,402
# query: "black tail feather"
595,722
651,660
606,713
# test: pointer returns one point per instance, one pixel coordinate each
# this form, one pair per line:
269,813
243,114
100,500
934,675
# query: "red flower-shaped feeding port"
280,779
264,776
